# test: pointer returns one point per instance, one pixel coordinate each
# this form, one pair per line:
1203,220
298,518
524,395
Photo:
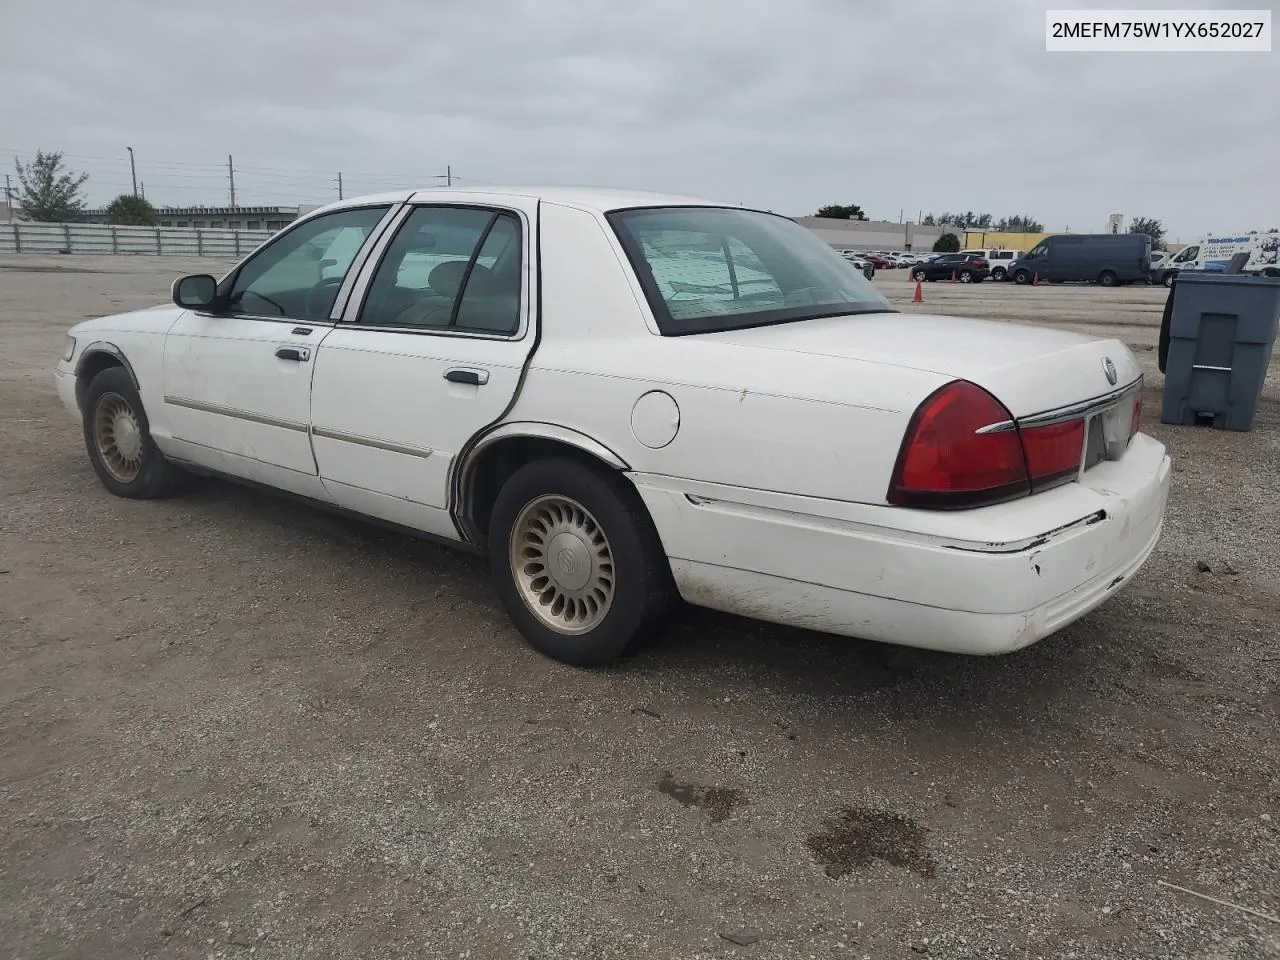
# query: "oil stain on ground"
719,802
858,835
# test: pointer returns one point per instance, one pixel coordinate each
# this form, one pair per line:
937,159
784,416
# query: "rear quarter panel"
814,426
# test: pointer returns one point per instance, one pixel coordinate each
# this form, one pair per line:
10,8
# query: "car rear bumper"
985,581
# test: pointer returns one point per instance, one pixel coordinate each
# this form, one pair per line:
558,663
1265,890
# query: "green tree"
837,211
1152,227
1020,223
129,210
47,192
947,243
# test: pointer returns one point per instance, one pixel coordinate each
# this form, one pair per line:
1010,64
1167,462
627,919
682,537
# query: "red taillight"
947,463
1053,451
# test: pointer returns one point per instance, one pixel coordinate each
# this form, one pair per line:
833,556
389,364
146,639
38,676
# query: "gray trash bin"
1221,333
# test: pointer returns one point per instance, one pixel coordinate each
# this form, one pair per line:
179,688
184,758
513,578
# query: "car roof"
595,199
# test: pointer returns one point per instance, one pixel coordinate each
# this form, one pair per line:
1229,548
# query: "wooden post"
115,241
199,243
159,252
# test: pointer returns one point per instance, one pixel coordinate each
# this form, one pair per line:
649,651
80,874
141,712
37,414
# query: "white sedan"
624,399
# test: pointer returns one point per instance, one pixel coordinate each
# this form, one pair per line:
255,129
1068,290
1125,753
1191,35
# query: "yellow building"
1002,240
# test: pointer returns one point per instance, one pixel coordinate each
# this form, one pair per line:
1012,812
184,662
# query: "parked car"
963,266
880,261
1104,258
623,399
1000,260
866,266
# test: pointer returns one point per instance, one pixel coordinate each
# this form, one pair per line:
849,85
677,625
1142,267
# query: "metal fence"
25,237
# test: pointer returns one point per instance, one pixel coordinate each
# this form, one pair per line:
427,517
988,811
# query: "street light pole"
133,170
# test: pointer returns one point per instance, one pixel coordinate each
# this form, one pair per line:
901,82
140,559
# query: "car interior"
419,284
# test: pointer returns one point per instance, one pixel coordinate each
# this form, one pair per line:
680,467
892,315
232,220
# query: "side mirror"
196,292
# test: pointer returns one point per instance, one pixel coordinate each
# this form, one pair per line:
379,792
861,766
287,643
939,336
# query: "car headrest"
446,278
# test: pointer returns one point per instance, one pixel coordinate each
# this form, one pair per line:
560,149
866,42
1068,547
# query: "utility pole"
133,170
448,176
339,184
8,197
142,189
231,176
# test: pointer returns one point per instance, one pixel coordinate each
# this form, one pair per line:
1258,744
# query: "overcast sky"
787,104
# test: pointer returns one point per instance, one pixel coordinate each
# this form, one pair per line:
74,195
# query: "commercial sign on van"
1263,250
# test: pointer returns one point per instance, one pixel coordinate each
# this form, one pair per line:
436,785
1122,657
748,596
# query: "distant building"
873,234
220,218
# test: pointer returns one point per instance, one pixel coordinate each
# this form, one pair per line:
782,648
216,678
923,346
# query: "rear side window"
449,268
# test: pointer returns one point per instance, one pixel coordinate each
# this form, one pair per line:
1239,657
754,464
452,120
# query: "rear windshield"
708,269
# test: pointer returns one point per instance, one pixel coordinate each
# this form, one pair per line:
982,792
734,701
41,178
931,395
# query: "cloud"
920,106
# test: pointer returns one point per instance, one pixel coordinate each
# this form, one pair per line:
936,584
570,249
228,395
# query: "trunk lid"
1029,369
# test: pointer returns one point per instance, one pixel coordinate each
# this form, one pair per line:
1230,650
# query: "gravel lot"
233,726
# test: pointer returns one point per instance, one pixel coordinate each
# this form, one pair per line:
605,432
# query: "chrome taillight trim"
1085,408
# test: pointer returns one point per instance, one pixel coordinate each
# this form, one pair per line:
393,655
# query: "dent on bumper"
963,595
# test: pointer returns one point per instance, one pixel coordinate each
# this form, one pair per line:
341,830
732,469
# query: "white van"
998,260
1212,254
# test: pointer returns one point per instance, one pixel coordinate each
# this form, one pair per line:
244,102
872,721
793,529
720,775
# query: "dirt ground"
231,726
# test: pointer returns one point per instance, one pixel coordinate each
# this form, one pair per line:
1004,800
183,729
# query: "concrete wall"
874,234
29,237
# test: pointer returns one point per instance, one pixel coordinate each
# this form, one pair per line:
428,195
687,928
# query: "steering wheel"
264,297
313,304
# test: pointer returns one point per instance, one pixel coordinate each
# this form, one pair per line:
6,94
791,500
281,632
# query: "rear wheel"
1168,279
578,564
998,273
1107,278
1021,277
966,277
117,436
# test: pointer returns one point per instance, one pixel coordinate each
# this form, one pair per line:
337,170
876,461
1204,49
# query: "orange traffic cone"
919,297
953,277
1035,280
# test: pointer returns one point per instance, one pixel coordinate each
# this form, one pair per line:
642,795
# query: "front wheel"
578,563
1107,278
1022,277
1168,279
998,273
117,436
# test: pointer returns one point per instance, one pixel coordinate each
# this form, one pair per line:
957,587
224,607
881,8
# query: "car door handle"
297,354
467,375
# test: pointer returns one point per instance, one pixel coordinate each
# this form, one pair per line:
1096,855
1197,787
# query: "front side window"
1039,251
708,269
298,276
452,268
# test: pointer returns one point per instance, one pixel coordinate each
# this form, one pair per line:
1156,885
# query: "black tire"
1168,279
1107,279
1021,277
966,276
144,474
998,273
643,592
